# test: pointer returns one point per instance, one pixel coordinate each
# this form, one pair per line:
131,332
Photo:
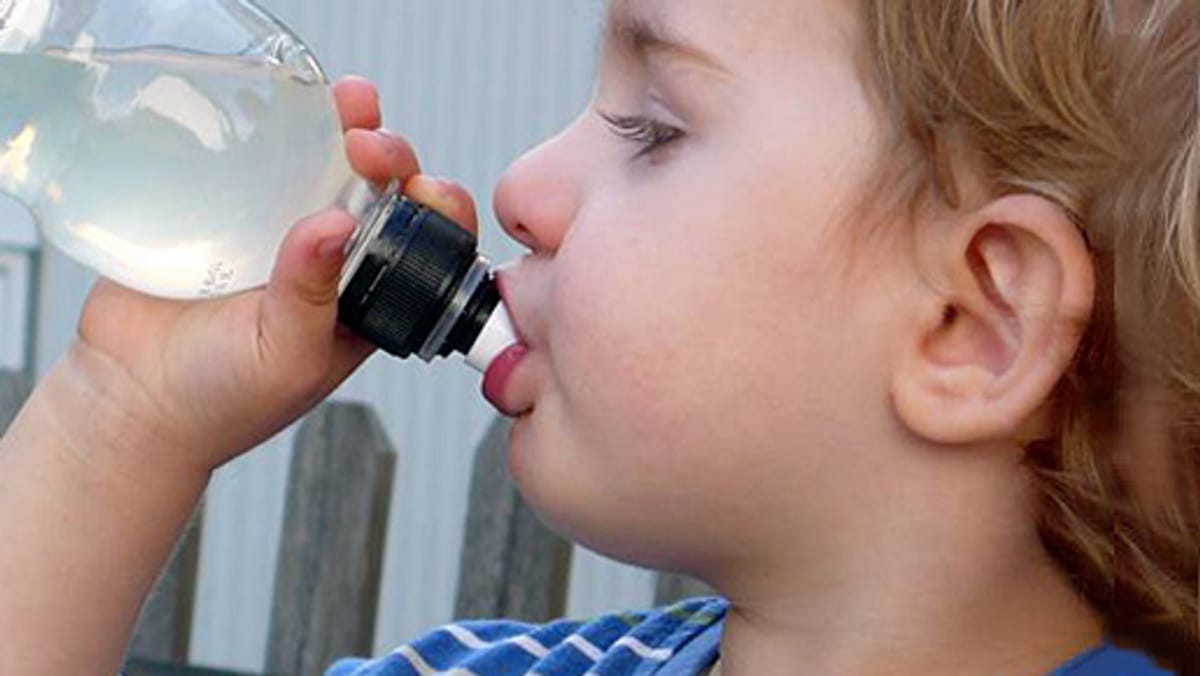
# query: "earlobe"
1014,291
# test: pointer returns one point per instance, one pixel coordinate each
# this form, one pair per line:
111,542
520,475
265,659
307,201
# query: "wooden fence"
338,494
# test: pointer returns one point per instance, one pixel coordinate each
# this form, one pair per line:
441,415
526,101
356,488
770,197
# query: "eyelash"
649,133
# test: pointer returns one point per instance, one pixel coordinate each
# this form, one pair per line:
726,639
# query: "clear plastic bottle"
170,144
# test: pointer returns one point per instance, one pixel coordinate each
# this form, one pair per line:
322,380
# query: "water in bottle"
171,172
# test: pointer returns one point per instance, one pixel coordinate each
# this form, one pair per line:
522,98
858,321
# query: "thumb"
300,305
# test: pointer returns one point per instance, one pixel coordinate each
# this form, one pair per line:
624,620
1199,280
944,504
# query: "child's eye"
649,133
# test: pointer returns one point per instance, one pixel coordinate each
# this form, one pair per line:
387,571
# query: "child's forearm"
88,514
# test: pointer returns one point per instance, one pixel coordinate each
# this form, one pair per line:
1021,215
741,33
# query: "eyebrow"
643,36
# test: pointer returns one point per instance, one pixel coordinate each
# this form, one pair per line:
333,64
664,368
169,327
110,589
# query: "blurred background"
473,84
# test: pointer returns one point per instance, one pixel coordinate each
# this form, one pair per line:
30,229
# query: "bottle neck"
371,209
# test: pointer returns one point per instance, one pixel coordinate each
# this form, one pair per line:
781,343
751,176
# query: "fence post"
14,390
512,566
331,549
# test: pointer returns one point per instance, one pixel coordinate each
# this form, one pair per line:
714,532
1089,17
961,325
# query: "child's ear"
1011,292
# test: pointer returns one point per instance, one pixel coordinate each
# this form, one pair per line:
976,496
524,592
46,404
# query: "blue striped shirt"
681,640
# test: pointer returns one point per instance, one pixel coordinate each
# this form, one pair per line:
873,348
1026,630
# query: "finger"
299,310
445,197
381,157
357,103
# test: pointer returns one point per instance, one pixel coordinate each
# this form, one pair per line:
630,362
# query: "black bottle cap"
407,278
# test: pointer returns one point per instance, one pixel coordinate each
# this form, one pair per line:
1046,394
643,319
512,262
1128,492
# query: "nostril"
525,236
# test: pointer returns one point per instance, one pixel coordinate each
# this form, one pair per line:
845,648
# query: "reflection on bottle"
14,161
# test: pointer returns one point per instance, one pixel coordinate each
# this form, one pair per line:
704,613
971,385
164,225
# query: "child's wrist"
98,414
87,484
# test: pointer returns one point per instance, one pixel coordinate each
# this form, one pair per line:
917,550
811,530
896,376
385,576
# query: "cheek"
672,332
611,343
689,371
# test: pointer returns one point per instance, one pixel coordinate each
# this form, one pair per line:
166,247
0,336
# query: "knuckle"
399,148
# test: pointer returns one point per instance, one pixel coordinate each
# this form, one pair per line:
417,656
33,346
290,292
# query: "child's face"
695,378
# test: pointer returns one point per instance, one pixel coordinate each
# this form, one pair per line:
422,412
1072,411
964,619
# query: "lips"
497,377
512,393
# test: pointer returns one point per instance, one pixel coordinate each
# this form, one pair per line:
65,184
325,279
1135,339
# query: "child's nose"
538,196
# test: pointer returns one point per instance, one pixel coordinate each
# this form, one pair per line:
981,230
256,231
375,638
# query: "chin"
576,506
520,443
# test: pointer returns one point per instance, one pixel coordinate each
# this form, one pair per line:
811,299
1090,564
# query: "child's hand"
202,382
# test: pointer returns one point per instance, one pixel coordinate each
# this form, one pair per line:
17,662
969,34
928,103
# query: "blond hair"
1094,104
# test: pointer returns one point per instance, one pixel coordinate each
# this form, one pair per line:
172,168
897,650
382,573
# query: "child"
876,315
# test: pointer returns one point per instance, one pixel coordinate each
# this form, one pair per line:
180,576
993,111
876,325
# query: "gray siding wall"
473,83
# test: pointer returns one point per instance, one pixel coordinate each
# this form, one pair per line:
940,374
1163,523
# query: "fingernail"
445,187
